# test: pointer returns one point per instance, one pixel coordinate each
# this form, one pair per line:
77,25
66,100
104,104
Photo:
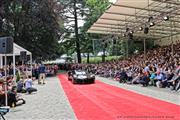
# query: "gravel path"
49,103
159,93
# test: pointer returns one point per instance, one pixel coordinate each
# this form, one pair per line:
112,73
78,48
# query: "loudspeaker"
114,41
6,45
23,56
105,45
146,30
130,36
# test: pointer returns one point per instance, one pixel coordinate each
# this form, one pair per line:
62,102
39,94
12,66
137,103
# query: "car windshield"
80,72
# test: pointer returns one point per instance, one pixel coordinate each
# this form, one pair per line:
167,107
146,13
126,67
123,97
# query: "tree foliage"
34,24
95,9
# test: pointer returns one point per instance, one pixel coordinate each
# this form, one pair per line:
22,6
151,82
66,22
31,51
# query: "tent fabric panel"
17,49
113,16
134,3
134,14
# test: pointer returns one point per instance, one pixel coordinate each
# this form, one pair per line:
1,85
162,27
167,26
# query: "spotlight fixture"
150,19
130,36
127,29
152,24
114,41
146,30
166,18
131,32
140,28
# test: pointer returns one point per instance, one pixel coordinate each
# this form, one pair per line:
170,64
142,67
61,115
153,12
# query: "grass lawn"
99,59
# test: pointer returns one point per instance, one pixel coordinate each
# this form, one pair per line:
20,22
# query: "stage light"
130,36
131,32
127,29
152,24
140,28
146,30
150,19
166,18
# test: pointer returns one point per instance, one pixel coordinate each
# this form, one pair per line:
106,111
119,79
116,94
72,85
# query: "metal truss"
158,9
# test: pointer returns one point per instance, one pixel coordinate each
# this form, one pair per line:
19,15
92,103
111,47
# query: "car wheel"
73,81
93,81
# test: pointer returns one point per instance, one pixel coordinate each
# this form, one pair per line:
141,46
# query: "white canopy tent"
16,52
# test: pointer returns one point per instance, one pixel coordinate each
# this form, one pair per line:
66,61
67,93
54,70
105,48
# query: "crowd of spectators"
160,68
23,81
14,84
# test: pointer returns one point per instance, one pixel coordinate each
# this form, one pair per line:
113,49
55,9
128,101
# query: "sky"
113,1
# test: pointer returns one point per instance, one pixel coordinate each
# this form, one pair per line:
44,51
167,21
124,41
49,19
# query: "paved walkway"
49,103
159,93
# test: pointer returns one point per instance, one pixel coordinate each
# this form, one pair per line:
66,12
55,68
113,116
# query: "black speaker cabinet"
130,36
23,56
6,45
146,30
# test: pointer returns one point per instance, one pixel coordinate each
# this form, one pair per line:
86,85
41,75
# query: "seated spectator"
117,76
146,69
152,78
13,99
174,82
158,79
20,86
29,85
169,75
178,84
136,79
145,79
129,75
123,76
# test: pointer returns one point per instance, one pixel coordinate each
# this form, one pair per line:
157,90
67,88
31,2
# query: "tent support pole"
1,61
5,82
31,62
14,65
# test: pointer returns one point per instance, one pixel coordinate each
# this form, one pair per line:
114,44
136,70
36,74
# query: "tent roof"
17,50
134,14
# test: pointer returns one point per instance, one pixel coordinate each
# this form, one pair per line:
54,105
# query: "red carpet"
101,101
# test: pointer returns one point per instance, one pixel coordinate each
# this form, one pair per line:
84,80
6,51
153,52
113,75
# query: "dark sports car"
80,76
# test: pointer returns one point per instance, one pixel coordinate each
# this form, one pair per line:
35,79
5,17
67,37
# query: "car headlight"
75,76
92,76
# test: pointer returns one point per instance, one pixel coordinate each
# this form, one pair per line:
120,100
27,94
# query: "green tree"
34,24
73,11
88,11
94,9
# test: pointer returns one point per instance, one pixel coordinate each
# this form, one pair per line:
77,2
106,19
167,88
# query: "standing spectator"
41,70
36,72
55,69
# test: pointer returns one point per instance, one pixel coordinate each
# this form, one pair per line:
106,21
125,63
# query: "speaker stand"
5,81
